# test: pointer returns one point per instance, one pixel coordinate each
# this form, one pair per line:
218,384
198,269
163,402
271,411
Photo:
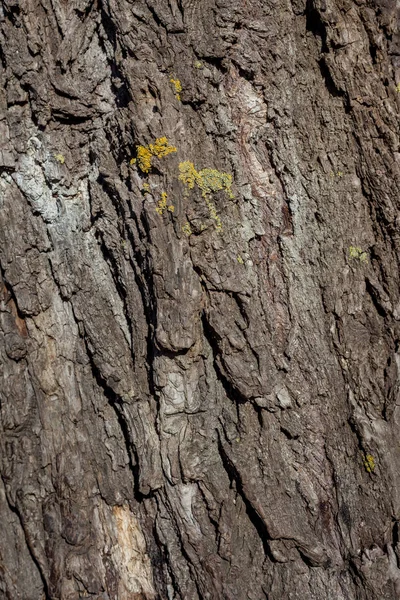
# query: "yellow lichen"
188,174
208,181
240,260
146,188
60,158
159,149
163,204
187,230
144,158
358,253
213,213
177,86
398,88
369,463
198,64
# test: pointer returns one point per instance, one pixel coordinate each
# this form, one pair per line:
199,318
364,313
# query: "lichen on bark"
188,413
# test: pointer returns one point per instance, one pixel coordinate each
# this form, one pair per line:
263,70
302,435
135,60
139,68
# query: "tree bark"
200,391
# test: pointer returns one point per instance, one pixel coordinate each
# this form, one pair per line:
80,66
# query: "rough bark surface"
188,413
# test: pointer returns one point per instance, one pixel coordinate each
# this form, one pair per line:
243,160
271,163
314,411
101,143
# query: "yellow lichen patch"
177,86
59,158
208,181
398,88
211,180
144,158
240,260
187,230
213,213
188,174
163,204
146,188
198,64
369,463
159,149
355,252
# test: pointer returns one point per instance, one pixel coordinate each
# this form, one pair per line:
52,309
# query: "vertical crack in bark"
254,517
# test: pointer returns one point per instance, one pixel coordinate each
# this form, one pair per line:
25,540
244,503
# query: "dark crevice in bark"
13,12
159,558
117,404
242,307
259,413
32,95
375,297
327,77
121,92
212,337
194,104
254,517
3,58
185,554
83,14
217,62
111,261
396,541
360,442
155,16
247,74
11,295
373,52
315,25
144,283
68,118
109,26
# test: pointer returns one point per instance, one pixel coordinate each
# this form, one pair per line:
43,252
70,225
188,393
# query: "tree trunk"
200,383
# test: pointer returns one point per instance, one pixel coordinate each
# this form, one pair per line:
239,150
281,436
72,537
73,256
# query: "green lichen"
355,252
369,463
208,182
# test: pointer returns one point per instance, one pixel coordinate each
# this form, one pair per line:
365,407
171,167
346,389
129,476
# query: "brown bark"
188,413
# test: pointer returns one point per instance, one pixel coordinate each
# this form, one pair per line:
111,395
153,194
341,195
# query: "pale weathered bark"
188,413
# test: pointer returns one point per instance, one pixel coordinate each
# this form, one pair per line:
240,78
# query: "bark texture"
188,413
